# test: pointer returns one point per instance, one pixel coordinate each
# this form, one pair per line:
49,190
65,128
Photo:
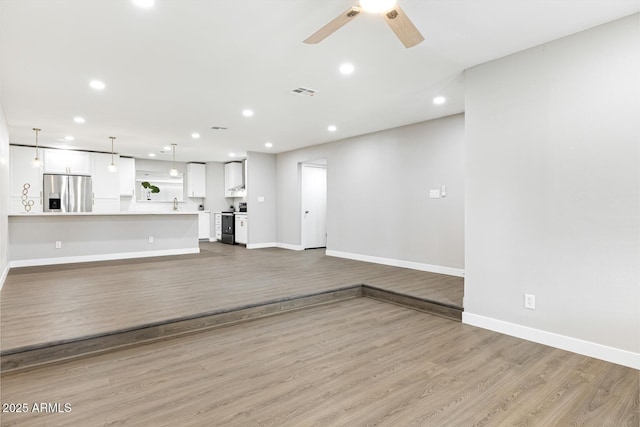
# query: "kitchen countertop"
40,214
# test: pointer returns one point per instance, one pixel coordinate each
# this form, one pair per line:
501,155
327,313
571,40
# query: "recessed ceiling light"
332,128
166,148
268,144
232,154
152,154
247,113
144,3
79,119
195,135
347,69
97,84
438,100
68,138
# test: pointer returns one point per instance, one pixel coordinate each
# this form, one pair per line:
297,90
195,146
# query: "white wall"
4,196
261,185
553,187
378,205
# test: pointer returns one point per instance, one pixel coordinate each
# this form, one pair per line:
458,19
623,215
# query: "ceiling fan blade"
403,27
332,26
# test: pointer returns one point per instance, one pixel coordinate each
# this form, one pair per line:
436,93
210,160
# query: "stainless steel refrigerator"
67,193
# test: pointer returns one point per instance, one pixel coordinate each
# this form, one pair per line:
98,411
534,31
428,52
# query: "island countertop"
41,214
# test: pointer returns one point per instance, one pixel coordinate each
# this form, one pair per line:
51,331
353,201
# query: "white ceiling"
187,65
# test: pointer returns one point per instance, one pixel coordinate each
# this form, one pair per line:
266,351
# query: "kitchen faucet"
175,203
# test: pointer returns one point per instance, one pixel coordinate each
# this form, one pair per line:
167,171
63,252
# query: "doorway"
313,186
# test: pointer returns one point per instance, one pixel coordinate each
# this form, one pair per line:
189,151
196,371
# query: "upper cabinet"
105,184
234,180
196,180
127,170
67,161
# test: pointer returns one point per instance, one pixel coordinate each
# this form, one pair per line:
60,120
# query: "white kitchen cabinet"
233,180
105,185
196,180
127,176
204,225
241,228
217,225
67,161
22,172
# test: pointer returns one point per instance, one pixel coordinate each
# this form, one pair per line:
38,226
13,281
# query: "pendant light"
112,166
173,171
36,160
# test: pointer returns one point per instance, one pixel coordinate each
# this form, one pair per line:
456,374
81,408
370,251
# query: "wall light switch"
150,239
260,199
58,244
443,191
434,194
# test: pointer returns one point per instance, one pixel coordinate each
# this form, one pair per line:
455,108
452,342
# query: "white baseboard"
290,247
399,263
3,276
100,257
563,342
261,245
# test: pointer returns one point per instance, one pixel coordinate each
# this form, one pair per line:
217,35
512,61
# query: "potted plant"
149,188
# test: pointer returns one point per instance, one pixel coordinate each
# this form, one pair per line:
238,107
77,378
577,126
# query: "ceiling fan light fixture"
377,6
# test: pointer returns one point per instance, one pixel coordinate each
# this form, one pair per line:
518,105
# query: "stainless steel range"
228,228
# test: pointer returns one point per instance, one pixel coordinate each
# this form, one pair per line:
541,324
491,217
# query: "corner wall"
4,196
378,205
261,199
553,193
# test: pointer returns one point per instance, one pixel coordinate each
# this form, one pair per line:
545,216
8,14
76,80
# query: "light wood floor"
58,303
352,363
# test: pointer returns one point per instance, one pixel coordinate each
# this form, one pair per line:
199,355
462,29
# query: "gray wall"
261,182
215,200
96,237
553,186
378,193
4,196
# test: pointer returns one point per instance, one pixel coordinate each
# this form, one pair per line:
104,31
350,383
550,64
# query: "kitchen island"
60,238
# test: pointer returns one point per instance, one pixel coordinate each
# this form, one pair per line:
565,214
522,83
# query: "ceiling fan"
395,17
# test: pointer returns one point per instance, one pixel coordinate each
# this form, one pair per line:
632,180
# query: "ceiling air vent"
218,128
304,91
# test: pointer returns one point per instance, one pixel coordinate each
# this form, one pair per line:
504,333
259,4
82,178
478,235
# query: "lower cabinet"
217,226
241,229
204,225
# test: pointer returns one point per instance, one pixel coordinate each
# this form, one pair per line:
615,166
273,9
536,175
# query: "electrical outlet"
434,194
530,301
150,239
58,244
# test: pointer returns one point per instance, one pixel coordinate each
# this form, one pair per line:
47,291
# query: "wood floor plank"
63,302
356,362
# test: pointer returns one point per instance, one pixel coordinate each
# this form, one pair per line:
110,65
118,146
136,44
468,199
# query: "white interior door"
314,206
